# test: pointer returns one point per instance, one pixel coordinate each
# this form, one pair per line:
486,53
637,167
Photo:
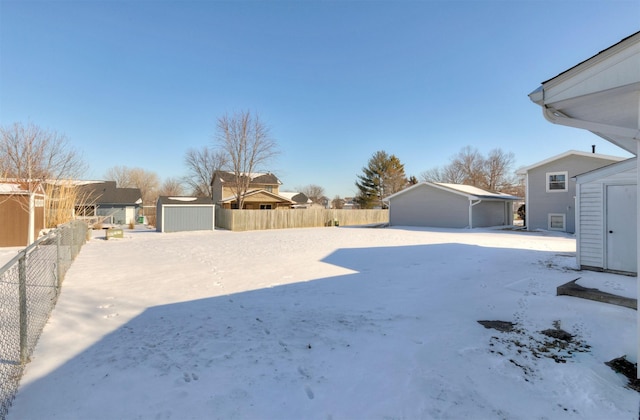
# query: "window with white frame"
557,181
557,221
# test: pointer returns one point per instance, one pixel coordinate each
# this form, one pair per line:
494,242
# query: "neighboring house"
262,194
102,199
301,200
179,214
437,204
606,206
350,203
550,190
22,214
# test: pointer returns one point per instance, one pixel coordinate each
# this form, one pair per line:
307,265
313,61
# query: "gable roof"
255,178
468,191
524,170
253,192
106,192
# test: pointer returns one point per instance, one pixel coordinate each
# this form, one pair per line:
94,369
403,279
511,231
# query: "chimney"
593,148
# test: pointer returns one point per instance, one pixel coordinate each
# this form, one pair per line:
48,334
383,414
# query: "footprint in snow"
309,392
188,377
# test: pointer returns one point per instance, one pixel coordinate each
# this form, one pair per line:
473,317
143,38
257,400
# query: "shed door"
621,228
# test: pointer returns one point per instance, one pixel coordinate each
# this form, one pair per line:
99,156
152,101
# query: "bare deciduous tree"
33,156
248,146
314,192
171,187
497,168
202,164
469,167
337,202
147,181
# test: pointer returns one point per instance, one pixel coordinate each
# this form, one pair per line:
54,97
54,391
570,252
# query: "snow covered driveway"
326,323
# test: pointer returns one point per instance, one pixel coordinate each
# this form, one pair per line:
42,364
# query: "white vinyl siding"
591,226
591,211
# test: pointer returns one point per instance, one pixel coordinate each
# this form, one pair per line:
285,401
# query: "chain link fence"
29,288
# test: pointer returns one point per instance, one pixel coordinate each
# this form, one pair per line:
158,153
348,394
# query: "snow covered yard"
328,323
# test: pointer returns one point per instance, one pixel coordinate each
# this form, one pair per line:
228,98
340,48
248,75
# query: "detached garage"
179,214
436,204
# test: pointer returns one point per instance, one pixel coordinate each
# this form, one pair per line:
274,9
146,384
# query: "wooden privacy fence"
239,220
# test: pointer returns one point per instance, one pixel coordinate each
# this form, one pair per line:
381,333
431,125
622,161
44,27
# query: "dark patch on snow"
502,326
628,369
524,348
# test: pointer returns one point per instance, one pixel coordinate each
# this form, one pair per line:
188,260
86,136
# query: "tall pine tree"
384,175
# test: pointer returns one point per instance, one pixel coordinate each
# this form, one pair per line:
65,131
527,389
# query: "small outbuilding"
436,204
179,214
22,214
606,214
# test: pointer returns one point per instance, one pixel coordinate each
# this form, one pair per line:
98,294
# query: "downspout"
471,204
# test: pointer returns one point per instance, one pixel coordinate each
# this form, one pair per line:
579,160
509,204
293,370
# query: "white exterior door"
620,230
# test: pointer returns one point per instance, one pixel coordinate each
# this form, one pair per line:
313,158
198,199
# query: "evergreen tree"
384,175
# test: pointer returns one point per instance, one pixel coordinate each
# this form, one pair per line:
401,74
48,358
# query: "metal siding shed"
179,214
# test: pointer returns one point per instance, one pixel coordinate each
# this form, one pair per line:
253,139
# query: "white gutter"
471,204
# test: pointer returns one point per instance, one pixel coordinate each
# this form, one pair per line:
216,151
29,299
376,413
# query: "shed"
22,214
179,214
436,204
606,203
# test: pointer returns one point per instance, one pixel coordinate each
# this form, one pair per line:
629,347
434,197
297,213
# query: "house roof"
599,94
469,191
611,169
182,200
256,177
253,192
524,170
298,197
107,193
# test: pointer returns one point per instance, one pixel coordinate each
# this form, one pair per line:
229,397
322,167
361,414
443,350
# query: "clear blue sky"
137,83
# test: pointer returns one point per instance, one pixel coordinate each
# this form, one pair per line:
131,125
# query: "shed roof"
523,171
611,169
184,200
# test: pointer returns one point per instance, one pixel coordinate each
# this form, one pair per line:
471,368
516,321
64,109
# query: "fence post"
22,305
58,259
